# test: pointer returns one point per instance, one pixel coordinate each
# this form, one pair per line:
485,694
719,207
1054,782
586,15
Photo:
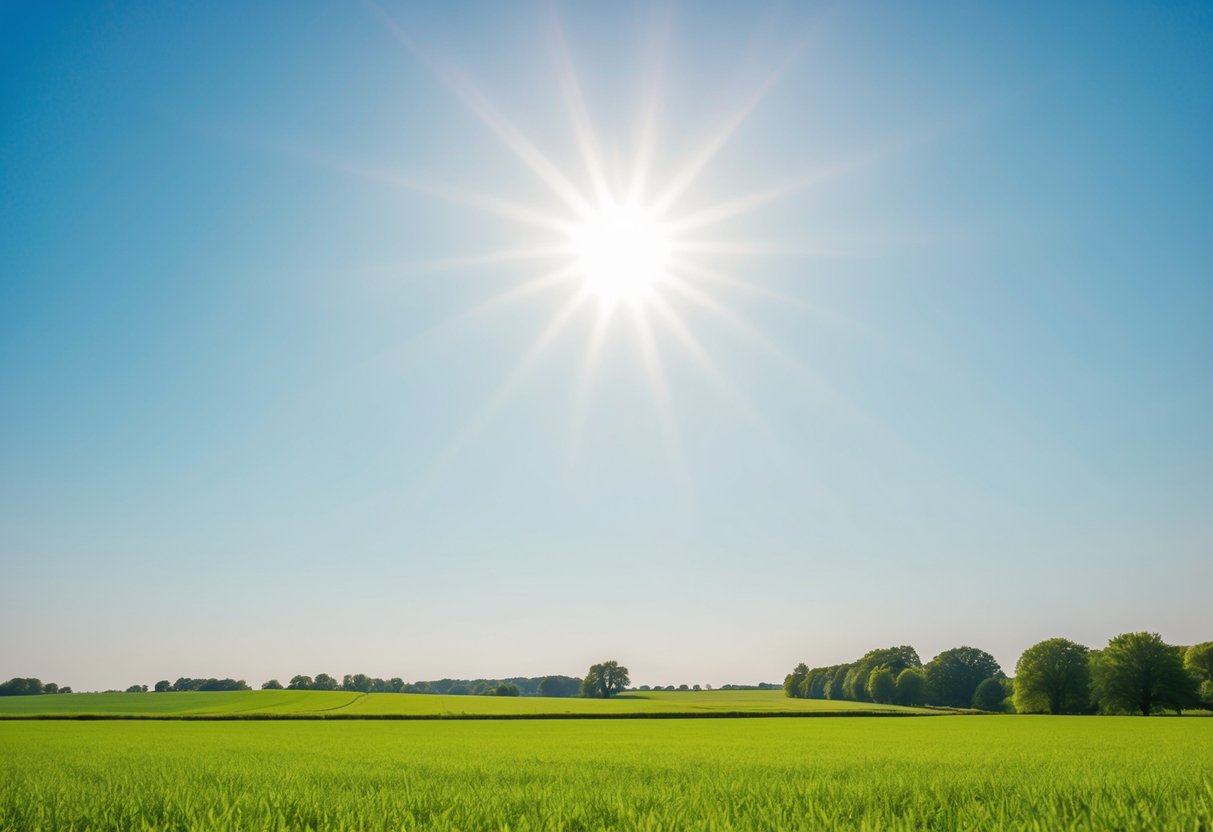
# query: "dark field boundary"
460,717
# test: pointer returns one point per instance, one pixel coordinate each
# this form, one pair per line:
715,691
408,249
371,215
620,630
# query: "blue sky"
247,427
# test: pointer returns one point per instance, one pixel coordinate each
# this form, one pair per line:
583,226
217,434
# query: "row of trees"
958,678
185,683
30,687
1136,672
361,683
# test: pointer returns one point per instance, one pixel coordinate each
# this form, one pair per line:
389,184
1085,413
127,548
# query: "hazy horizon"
313,356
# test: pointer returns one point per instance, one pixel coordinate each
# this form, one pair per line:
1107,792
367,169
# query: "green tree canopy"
1199,658
1141,672
989,695
323,681
559,686
911,687
604,680
1053,676
272,684
953,675
882,687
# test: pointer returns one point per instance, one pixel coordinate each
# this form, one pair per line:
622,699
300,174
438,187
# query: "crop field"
346,704
975,772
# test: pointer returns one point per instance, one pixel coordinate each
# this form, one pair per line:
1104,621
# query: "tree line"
30,687
1134,673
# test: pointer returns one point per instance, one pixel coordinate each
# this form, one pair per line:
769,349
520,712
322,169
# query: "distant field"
317,703
978,772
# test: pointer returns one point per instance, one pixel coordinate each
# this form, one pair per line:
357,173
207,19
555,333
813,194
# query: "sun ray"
585,376
678,327
749,248
716,142
495,258
835,318
506,389
663,402
475,101
579,116
489,203
453,323
827,391
646,133
691,269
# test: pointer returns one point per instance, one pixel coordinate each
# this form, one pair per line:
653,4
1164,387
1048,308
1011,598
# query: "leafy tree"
137,689
323,681
696,687
562,686
359,682
794,681
1205,694
272,684
815,683
989,695
300,683
834,688
1141,672
65,689
953,675
1199,659
163,686
506,689
458,690
855,683
603,680
882,687
21,687
1054,676
911,686
895,659
50,687
683,687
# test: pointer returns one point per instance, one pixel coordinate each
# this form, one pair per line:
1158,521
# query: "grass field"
767,774
342,703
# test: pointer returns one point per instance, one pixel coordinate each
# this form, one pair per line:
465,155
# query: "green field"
346,704
768,774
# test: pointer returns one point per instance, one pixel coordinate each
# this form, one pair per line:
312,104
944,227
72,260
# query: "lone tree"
1053,676
953,675
1141,672
603,680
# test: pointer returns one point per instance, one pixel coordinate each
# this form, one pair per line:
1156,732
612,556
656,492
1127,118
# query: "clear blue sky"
246,428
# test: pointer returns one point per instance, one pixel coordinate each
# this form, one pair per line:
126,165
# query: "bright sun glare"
622,252
623,236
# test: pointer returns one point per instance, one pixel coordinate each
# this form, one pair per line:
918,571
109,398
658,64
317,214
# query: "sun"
621,252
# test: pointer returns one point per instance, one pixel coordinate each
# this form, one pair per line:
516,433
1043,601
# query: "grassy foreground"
342,703
768,774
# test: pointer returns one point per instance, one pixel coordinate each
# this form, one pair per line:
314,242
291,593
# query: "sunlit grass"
949,773
286,702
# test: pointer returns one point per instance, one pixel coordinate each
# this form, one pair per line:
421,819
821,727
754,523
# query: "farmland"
970,772
306,703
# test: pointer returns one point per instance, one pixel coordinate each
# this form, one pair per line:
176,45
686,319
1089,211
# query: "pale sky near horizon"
947,380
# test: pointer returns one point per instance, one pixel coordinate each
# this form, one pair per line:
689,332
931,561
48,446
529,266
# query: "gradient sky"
246,429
